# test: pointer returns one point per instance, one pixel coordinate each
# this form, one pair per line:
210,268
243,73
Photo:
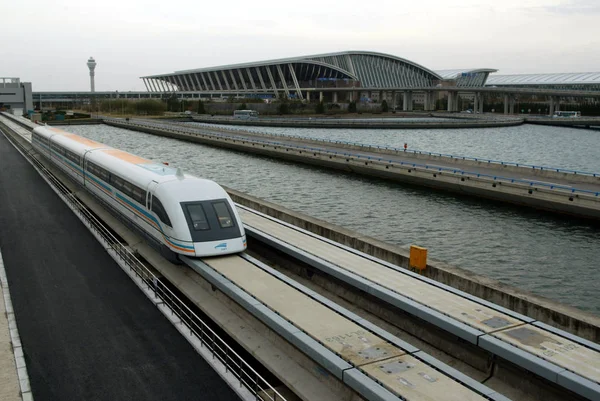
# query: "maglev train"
179,214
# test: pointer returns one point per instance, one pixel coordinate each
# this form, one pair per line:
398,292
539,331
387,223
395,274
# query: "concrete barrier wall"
551,312
348,123
461,163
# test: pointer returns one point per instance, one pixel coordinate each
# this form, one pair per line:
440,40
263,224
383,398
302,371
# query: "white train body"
184,214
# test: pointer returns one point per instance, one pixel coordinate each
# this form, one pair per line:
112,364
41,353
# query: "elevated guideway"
556,190
289,309
559,357
386,370
369,360
86,331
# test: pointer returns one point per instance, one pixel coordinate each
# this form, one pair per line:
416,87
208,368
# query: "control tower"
92,66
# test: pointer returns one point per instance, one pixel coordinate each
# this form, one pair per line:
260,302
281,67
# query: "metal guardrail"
416,152
233,362
455,171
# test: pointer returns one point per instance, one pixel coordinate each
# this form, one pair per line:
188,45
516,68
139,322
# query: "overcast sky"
48,43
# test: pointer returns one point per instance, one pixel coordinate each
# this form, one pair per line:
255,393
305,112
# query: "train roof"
126,164
76,142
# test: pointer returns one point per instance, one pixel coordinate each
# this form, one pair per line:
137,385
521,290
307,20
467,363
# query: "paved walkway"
9,389
88,332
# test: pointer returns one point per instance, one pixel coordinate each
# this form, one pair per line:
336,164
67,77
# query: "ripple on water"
551,256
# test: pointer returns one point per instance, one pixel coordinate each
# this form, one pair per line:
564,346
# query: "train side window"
198,217
128,188
223,214
116,182
139,195
160,211
104,174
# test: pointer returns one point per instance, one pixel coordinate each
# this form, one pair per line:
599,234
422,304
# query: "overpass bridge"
340,354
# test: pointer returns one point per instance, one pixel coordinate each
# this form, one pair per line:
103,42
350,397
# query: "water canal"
551,256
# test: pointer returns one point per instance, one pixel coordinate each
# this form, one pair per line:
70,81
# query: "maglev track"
370,359
557,356
356,352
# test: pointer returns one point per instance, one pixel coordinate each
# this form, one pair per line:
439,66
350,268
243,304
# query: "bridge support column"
556,103
307,96
335,97
481,102
551,106
452,101
394,100
476,102
321,96
407,101
505,104
429,104
511,104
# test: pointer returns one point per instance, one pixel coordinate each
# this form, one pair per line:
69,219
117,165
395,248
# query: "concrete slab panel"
340,335
411,378
463,310
555,349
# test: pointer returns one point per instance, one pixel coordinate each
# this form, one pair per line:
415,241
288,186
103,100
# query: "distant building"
588,81
15,95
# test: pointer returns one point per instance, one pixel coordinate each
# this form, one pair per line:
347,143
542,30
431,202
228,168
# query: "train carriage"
180,213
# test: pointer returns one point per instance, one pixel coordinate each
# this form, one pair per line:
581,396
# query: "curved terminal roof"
467,78
451,74
357,68
581,78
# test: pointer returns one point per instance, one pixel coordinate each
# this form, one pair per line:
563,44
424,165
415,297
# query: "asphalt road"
88,332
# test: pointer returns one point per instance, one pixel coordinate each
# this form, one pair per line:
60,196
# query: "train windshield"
211,220
198,217
223,215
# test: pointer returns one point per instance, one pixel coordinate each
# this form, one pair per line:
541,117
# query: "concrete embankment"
567,318
578,122
581,204
461,162
393,123
87,121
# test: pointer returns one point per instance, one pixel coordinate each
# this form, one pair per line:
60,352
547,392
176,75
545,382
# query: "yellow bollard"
418,257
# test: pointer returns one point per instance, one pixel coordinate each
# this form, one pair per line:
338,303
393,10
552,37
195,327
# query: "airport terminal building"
342,77
351,75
